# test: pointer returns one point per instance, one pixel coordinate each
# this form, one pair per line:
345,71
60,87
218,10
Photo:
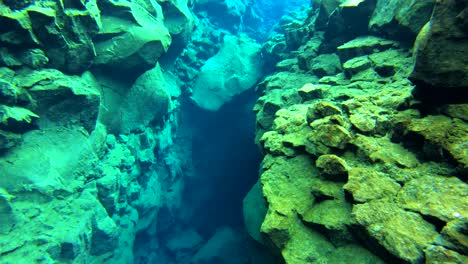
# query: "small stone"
366,184
363,46
332,136
34,58
8,140
322,109
333,166
310,91
356,65
325,65
16,119
363,123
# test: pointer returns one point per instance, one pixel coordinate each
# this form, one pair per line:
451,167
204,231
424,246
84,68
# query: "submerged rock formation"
83,152
356,170
365,151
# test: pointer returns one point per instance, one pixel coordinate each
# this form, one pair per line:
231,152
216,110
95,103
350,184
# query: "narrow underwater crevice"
226,162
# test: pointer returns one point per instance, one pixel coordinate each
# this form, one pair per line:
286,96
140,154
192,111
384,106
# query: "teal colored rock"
7,217
133,44
234,69
16,119
254,209
8,140
65,100
147,101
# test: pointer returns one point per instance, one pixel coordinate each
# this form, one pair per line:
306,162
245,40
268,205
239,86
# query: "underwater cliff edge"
127,133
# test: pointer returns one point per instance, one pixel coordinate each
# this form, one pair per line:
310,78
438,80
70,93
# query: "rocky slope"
357,168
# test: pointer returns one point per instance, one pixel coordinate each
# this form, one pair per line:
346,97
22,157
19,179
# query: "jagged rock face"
441,56
76,36
234,69
399,19
355,171
71,192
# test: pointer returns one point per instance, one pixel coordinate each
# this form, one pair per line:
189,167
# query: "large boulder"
235,68
146,102
440,50
132,37
400,19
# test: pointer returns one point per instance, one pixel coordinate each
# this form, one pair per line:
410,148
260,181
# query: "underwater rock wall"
88,120
357,169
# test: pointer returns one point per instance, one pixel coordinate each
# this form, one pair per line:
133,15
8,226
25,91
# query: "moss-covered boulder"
234,69
400,19
363,46
365,184
440,51
402,233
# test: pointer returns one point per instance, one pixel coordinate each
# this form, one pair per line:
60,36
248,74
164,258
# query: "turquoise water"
233,131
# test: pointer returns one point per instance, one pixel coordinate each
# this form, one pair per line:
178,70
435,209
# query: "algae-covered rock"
330,135
366,185
363,46
324,65
364,123
440,51
330,215
436,196
441,255
333,166
234,69
322,109
356,65
455,233
384,151
403,234
400,19
442,133
390,62
311,92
